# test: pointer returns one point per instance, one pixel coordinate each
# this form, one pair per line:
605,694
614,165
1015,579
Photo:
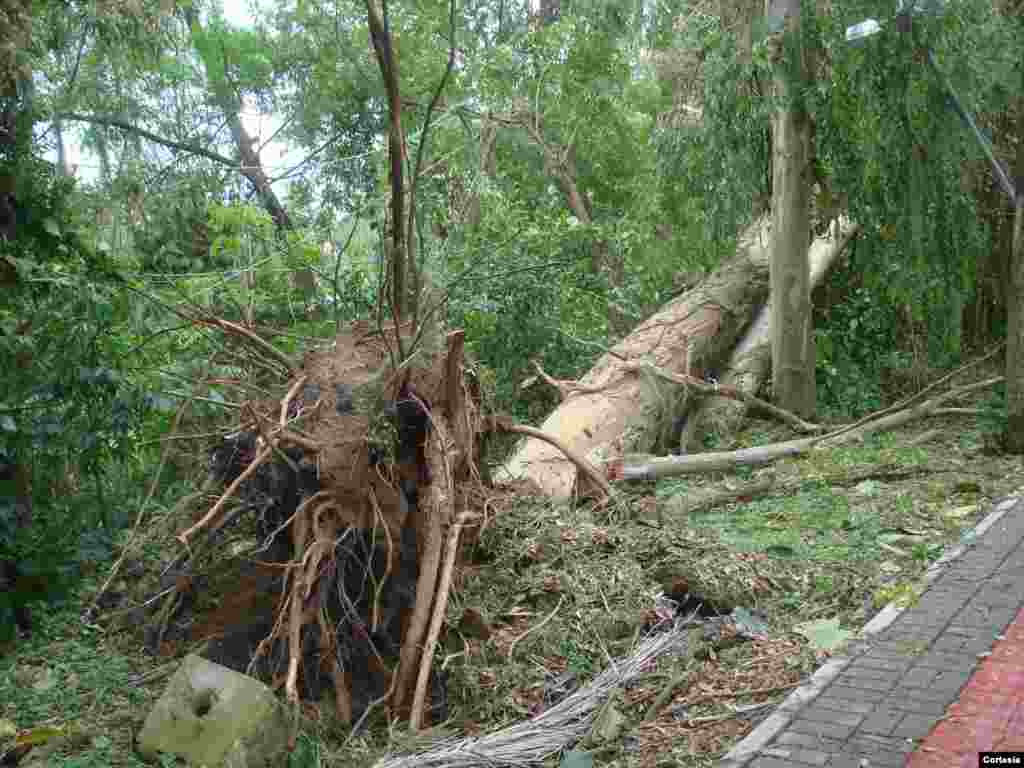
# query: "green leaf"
51,226
823,634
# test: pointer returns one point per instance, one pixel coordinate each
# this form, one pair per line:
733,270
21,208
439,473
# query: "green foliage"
824,634
854,347
888,139
515,304
68,408
176,238
715,172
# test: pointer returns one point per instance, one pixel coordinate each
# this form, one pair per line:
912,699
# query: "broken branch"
585,468
645,467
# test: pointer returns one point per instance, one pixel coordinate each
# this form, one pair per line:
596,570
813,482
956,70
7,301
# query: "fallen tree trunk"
750,363
621,411
644,467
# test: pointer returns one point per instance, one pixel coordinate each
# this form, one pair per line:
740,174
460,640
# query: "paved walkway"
931,685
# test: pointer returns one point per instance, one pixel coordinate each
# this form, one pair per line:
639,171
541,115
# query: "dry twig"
535,627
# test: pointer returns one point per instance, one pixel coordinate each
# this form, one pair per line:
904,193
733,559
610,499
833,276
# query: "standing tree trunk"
750,363
793,355
380,35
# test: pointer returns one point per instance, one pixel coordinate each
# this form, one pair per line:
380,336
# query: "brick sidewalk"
873,708
989,714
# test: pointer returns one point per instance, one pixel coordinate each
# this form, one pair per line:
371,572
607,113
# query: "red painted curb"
988,716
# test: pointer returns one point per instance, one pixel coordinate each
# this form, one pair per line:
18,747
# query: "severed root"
437,511
440,605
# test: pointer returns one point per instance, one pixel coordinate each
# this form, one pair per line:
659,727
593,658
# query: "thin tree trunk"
793,354
380,36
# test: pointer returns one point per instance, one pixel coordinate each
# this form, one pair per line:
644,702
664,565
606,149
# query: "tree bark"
620,411
793,354
751,360
252,169
380,35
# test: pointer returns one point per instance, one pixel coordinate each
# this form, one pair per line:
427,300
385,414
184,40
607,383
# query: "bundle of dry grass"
535,740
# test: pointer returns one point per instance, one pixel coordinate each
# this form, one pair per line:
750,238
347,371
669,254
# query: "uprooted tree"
362,472
354,477
359,471
363,475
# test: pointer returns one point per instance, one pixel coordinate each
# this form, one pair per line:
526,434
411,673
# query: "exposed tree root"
437,514
440,605
210,517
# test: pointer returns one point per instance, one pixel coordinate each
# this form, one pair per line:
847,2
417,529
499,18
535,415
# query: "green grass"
68,677
815,524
